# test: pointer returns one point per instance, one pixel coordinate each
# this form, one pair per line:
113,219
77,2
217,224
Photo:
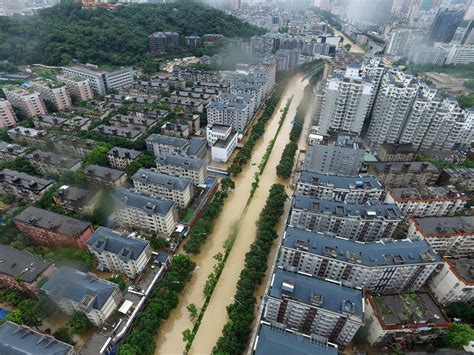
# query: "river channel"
234,215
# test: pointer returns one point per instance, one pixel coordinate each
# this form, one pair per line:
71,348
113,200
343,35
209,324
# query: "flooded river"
355,48
169,340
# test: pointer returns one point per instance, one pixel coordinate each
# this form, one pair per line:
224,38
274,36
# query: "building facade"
28,104
23,186
7,115
194,169
404,174
53,92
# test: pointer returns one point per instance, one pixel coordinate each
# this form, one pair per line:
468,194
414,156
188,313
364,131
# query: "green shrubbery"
236,332
163,298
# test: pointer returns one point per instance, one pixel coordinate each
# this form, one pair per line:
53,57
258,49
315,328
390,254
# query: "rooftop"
167,140
423,193
323,294
26,131
146,176
401,166
224,143
217,128
21,340
195,146
53,159
398,148
367,211
126,247
19,263
54,120
230,105
407,308
76,194
463,267
279,341
11,149
86,289
381,253
184,162
103,172
340,182
118,131
58,223
26,181
150,205
124,153
440,226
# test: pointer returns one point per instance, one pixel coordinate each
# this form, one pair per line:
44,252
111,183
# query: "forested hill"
58,34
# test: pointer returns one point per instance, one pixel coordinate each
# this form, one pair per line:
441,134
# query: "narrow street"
169,340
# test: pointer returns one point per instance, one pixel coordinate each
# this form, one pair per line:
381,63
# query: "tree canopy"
58,34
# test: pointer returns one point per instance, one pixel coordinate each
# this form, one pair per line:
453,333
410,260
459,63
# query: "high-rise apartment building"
28,104
78,87
355,221
7,116
445,24
53,92
346,101
381,267
160,42
399,43
392,105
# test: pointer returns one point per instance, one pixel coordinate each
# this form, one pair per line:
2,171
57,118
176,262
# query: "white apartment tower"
346,101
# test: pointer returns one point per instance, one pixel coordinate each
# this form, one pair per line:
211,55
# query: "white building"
216,131
454,282
233,114
399,43
350,189
141,212
168,187
426,202
314,306
449,236
459,54
194,169
381,267
223,141
346,101
74,291
117,253
241,98
101,81
358,222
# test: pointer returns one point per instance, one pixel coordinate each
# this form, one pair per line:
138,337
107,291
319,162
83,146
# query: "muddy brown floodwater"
170,339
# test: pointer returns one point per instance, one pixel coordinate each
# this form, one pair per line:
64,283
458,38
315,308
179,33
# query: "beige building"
54,93
78,87
28,103
7,116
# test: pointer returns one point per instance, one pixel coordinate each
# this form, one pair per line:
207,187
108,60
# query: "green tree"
347,47
144,161
79,323
62,334
193,311
119,280
30,312
227,183
457,336
98,155
462,310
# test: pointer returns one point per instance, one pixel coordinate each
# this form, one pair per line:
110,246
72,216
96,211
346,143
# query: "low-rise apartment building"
77,199
194,169
119,132
29,136
78,123
75,291
7,115
404,174
121,158
25,340
21,270
73,146
358,222
10,151
117,253
51,163
404,318
350,189
380,267
234,114
168,187
52,229
458,176
103,176
159,144
27,103
449,236
223,148
175,129
53,92
454,282
396,152
314,306
141,212
142,124
425,201
23,186
48,121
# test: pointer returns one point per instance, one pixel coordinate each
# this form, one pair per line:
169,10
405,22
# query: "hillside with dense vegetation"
64,32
